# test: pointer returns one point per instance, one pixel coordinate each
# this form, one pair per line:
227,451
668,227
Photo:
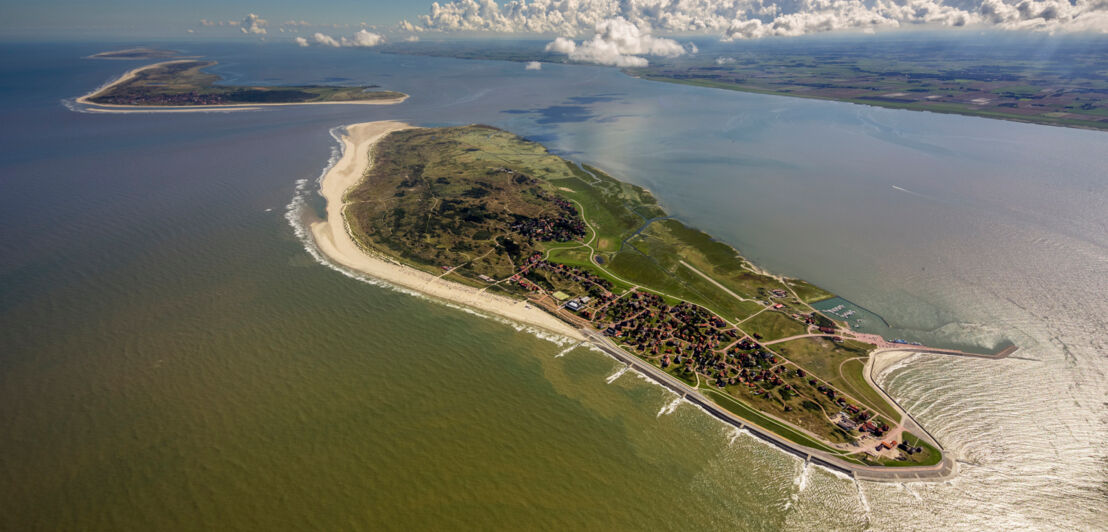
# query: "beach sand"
115,108
333,239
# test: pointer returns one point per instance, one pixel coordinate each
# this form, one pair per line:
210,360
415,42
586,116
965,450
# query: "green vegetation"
745,412
773,325
985,77
467,198
1070,88
808,292
185,83
486,208
854,382
821,356
839,365
926,456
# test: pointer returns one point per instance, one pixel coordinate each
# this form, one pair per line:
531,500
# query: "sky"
172,18
615,32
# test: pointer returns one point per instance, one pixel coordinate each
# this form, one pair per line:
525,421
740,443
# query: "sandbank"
332,237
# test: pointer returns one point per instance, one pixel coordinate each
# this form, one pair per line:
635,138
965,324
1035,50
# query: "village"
702,349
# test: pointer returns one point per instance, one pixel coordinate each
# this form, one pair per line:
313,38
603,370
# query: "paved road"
941,471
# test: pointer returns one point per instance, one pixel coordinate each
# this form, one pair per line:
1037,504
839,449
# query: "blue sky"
168,18
725,19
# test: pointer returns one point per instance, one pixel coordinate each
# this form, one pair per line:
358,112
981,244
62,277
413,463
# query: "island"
482,217
184,84
135,54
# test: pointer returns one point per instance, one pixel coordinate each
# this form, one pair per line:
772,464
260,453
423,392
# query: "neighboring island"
480,216
184,84
135,54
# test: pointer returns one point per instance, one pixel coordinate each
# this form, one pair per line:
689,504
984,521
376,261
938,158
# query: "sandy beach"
130,74
333,239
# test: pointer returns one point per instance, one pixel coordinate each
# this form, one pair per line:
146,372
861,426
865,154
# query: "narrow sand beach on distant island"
130,74
333,239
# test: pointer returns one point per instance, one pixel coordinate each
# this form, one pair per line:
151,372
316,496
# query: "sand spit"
130,74
333,239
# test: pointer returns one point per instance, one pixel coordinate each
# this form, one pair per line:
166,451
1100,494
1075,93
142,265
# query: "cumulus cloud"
617,42
253,24
361,39
324,40
533,65
409,27
748,19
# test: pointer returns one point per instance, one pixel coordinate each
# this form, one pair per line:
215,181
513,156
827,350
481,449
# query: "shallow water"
175,358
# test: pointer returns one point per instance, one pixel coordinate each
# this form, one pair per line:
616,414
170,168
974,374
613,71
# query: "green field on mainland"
493,208
1070,89
185,82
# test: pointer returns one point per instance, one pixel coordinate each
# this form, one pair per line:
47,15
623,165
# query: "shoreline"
130,74
331,235
874,103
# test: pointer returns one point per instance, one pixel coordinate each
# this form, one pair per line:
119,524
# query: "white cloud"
617,42
746,19
363,39
412,38
253,24
533,65
561,45
408,26
325,40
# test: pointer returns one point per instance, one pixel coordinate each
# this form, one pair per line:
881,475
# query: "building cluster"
689,339
598,288
560,228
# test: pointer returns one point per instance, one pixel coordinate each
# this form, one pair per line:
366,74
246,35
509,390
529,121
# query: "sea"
174,354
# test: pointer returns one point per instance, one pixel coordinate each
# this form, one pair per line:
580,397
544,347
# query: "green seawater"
214,385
